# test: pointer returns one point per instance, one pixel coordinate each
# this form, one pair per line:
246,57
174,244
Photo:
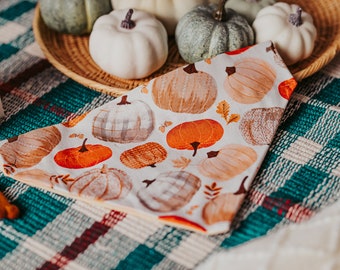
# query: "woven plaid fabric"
299,176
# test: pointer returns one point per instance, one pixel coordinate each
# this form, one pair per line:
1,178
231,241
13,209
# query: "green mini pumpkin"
209,30
248,8
73,16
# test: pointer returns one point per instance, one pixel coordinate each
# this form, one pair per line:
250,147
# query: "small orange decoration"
84,156
74,120
287,87
195,134
7,210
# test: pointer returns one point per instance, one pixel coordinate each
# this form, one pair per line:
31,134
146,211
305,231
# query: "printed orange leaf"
164,126
181,162
211,191
223,108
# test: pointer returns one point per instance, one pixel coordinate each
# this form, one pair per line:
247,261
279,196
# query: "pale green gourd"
209,30
73,16
248,8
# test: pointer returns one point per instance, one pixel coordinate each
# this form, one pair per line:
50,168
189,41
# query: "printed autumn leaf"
181,162
223,108
211,191
164,126
192,209
234,118
74,135
145,90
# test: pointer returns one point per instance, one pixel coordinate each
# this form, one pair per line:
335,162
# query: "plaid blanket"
299,176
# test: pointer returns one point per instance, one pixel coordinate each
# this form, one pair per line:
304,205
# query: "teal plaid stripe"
17,10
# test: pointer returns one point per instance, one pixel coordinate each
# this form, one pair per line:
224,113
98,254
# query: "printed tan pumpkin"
223,207
259,125
249,80
195,134
125,122
228,162
83,156
170,191
144,155
29,149
185,90
102,184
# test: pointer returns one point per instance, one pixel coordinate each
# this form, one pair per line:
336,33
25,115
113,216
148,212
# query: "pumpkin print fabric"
182,149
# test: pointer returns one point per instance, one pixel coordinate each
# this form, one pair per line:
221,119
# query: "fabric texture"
300,174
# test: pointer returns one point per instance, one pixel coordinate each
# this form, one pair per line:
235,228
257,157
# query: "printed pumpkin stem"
83,147
148,182
127,23
220,14
242,189
195,147
295,18
124,101
230,70
190,69
212,154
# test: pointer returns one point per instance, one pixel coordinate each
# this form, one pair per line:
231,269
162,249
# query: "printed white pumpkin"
289,27
130,44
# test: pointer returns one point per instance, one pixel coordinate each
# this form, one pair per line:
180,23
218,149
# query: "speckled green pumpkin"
248,8
200,35
73,16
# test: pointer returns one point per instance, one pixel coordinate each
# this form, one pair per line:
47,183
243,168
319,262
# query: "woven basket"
70,54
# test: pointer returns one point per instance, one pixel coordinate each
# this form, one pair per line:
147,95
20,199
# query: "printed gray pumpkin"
73,16
200,35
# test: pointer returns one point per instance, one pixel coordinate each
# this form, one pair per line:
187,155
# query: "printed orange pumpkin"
185,90
83,156
287,87
170,191
195,134
223,207
124,122
102,184
143,155
29,149
229,161
249,80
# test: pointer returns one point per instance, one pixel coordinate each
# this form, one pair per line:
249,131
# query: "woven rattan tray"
70,54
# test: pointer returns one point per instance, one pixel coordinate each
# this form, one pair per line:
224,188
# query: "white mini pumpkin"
130,44
289,27
167,11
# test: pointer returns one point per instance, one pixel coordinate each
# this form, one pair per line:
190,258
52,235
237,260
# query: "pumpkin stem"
295,18
124,101
242,189
104,169
230,70
220,12
83,147
190,69
13,139
148,182
212,154
128,23
195,146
